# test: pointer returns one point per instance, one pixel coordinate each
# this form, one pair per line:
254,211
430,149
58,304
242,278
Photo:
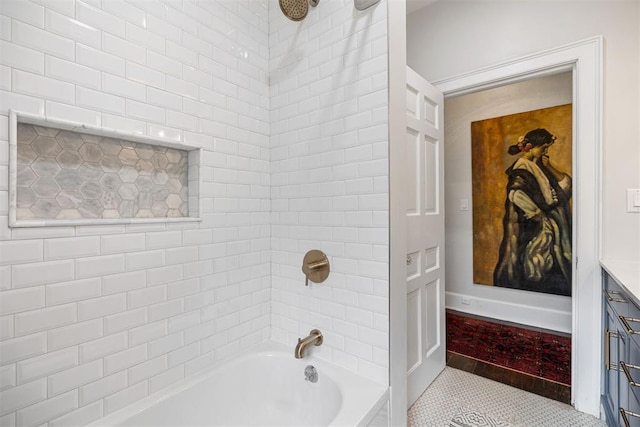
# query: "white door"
425,235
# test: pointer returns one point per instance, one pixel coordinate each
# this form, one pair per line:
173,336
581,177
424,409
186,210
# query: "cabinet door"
623,387
630,377
611,365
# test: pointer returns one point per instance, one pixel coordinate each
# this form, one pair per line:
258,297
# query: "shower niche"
63,174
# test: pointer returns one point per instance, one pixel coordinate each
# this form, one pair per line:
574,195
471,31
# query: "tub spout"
315,338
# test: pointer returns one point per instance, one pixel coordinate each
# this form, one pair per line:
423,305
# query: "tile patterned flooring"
455,391
539,386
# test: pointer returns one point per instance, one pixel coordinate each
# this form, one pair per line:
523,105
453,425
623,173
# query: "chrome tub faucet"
314,337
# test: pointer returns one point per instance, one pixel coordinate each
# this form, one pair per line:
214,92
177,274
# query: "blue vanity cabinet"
621,376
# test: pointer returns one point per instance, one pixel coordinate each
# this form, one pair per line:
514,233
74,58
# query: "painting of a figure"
522,201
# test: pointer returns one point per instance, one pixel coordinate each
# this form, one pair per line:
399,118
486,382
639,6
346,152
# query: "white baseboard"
553,320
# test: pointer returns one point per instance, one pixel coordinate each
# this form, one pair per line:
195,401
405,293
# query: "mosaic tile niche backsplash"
68,175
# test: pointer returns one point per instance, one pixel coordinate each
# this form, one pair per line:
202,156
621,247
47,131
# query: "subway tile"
119,283
145,75
139,35
146,333
22,396
77,290
100,307
42,273
181,87
43,41
72,29
130,242
75,377
144,111
181,255
181,20
166,378
145,297
95,58
147,369
66,7
199,363
99,100
123,87
167,65
29,322
164,29
79,417
184,354
125,397
166,133
164,99
97,18
125,359
30,233
198,269
8,420
70,113
27,12
20,300
123,124
165,239
165,309
165,344
47,364
51,408
16,349
72,247
144,260
7,377
126,11
5,278
6,327
122,48
20,252
99,266
181,120
5,28
74,334
125,320
183,288
96,349
103,387
20,57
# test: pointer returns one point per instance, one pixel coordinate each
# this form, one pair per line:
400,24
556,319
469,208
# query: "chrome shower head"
296,10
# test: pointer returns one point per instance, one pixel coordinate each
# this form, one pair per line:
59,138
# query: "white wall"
96,317
530,308
329,180
448,38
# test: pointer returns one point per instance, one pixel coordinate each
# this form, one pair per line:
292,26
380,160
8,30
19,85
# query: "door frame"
584,58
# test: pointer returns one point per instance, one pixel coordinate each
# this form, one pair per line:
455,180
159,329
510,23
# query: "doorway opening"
510,326
584,60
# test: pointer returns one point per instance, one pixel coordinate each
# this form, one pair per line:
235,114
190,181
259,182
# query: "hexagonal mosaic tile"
69,175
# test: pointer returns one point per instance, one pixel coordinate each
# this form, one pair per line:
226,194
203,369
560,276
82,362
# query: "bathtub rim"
375,395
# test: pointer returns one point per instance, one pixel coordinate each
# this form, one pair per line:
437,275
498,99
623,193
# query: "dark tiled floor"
550,389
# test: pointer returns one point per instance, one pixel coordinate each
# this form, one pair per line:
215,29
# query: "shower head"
296,10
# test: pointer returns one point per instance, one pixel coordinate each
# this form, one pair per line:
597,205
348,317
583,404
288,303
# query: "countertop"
626,273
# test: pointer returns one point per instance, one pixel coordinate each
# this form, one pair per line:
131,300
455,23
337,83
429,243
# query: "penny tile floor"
455,391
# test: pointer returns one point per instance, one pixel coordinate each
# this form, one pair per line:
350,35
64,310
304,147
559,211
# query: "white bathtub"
264,388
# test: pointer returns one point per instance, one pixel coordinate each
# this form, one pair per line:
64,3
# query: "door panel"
425,238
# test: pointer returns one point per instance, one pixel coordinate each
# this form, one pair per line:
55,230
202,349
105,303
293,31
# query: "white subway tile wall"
93,318
329,158
292,119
